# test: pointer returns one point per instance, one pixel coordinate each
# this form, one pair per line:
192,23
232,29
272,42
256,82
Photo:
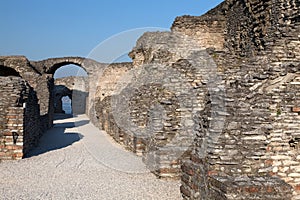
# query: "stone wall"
245,117
258,135
208,30
34,126
19,114
24,90
152,108
107,85
41,83
12,117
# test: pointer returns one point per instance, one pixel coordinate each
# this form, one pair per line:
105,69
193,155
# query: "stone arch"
56,66
19,66
8,71
50,65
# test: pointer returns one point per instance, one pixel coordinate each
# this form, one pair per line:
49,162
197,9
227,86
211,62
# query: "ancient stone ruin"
214,102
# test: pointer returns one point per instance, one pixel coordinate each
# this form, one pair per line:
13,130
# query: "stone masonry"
260,68
245,118
28,98
20,119
214,102
76,88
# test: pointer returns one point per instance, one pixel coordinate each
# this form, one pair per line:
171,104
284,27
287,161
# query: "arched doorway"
70,70
61,91
74,96
67,104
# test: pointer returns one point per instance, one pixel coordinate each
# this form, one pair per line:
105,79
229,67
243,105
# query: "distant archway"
75,78
59,92
70,70
52,64
67,105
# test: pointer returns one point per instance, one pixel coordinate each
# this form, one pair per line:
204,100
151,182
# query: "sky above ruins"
55,28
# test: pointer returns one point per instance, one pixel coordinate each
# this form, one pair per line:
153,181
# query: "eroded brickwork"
20,119
261,72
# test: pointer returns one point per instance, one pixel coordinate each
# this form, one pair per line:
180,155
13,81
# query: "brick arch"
50,65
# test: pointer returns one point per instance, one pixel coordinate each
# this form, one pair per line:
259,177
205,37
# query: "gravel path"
77,161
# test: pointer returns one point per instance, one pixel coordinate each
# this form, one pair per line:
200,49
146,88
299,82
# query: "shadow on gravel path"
57,137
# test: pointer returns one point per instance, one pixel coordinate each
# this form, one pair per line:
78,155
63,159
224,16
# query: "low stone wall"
258,188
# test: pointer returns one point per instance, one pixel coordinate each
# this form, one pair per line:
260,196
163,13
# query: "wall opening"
72,81
70,70
67,104
7,71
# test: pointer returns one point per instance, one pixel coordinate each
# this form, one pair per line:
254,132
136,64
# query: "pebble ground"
75,160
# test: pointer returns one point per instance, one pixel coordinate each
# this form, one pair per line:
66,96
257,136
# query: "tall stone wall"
23,89
258,132
263,27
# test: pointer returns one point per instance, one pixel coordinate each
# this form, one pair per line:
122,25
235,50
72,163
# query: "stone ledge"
244,187
296,109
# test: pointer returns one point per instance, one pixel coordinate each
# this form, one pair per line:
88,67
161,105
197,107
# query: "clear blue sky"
41,29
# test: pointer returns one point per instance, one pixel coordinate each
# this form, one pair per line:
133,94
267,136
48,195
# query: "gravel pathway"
77,161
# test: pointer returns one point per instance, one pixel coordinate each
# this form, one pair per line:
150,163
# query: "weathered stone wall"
41,84
158,85
216,101
109,82
250,142
111,78
260,188
34,126
263,27
208,30
12,117
258,134
19,114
